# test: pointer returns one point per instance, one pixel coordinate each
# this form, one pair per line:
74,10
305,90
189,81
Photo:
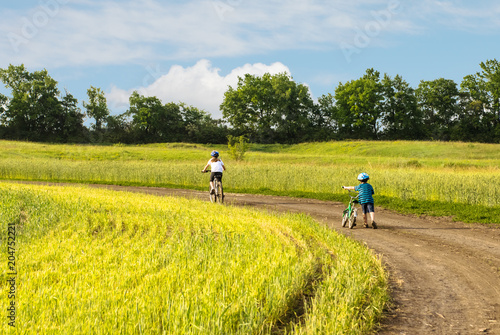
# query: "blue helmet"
215,154
363,176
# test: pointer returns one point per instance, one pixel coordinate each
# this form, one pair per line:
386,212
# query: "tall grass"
421,174
445,184
102,262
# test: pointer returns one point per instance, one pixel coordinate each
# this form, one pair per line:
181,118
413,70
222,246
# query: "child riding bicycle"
365,198
216,167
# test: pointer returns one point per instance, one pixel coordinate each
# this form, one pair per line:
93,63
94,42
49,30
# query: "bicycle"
350,214
218,195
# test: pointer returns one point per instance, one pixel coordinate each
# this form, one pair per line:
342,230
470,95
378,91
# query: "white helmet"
363,177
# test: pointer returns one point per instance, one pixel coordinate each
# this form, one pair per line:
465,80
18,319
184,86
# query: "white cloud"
201,85
477,17
60,32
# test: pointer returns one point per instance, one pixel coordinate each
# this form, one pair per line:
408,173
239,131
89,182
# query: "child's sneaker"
366,225
374,225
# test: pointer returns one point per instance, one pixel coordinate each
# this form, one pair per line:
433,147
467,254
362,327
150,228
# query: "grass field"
101,262
95,261
434,178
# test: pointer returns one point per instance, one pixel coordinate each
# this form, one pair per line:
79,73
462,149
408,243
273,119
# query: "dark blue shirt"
365,193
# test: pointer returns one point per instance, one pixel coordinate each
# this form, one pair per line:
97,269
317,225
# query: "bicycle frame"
350,214
218,195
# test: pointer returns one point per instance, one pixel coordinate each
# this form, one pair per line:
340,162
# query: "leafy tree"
292,107
194,121
490,77
268,108
247,108
71,120
474,121
118,129
34,111
34,98
358,106
438,101
480,117
401,119
4,102
324,119
97,107
199,127
154,122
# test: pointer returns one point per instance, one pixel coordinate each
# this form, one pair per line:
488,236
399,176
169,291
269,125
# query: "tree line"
272,109
38,111
264,109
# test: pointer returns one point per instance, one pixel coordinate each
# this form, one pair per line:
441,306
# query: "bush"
237,146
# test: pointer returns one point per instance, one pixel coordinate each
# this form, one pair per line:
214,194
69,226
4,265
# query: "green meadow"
101,262
94,261
423,178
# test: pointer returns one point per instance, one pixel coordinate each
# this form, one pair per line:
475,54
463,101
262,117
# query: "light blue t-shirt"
365,193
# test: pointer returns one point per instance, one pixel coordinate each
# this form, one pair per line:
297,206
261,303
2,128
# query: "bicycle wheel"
212,195
220,193
345,218
352,219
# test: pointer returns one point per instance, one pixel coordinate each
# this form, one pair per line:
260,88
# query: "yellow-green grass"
391,153
455,179
101,262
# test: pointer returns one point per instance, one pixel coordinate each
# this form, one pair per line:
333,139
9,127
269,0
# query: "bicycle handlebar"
351,191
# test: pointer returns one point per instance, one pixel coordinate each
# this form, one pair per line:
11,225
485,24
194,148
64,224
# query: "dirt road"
445,276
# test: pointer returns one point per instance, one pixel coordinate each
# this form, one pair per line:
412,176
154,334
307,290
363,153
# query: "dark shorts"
214,175
368,208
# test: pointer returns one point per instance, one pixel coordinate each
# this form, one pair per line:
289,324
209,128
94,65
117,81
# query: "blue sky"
191,50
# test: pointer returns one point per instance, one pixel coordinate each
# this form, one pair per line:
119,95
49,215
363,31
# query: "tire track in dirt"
445,276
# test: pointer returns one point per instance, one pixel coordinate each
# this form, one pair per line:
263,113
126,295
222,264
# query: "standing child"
365,198
216,167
